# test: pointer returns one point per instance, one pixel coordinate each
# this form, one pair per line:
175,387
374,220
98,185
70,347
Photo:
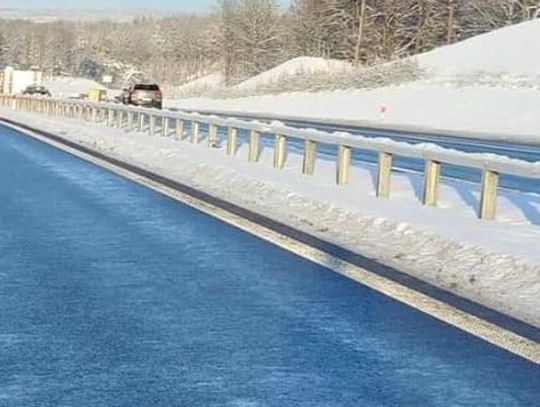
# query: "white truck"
16,81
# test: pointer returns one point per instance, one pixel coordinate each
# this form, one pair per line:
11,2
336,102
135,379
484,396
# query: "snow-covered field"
494,263
489,84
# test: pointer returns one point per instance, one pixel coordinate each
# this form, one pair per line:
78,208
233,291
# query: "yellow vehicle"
97,95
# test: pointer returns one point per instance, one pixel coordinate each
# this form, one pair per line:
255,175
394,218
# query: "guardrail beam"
115,116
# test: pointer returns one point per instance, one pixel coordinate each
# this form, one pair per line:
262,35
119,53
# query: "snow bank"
494,263
511,50
201,85
503,113
301,65
68,86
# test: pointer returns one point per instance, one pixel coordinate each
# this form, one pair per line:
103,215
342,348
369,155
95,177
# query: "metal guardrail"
146,120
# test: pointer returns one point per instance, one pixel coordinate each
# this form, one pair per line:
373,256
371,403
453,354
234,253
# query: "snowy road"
113,295
521,151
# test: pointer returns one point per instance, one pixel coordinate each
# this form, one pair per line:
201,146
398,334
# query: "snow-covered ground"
200,85
494,263
508,51
301,65
488,84
499,111
64,87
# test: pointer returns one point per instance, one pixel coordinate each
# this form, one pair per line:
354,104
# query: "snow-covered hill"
511,50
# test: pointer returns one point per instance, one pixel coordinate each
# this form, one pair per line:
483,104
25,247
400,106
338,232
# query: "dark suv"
37,90
143,94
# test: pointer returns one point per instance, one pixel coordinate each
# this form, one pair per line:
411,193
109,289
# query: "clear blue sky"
172,5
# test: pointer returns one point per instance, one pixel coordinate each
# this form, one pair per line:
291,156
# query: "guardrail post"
152,126
119,118
195,131
165,126
310,155
280,151
254,141
231,141
110,117
488,197
432,175
212,135
141,122
384,175
130,120
343,165
179,129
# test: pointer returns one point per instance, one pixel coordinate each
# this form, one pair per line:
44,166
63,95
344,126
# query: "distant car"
143,94
36,90
78,96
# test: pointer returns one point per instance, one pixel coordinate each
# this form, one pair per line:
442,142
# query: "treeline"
171,49
245,37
